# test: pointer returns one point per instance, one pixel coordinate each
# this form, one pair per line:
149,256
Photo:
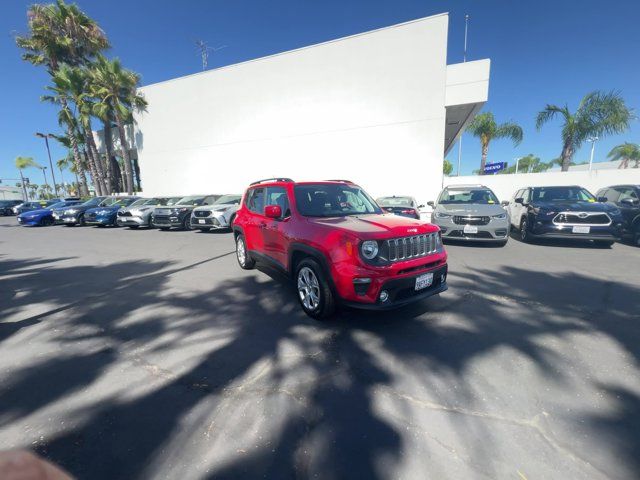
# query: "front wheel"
186,225
314,293
81,220
244,260
524,230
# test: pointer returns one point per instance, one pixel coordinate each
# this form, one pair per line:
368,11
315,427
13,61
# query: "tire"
133,227
524,231
313,290
242,255
186,224
81,220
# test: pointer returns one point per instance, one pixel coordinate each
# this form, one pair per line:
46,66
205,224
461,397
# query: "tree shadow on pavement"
235,381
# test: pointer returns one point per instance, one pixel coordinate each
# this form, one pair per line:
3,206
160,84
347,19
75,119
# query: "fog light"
443,278
384,296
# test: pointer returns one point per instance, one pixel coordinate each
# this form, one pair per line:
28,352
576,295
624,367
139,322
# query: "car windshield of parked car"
59,205
330,200
190,201
561,194
143,201
173,200
92,202
395,202
122,202
228,200
482,196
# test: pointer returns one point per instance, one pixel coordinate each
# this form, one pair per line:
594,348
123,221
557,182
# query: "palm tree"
115,87
626,152
62,34
484,127
70,83
598,114
22,163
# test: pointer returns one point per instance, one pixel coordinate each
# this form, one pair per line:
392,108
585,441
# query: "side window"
518,194
255,200
278,196
626,192
612,194
525,195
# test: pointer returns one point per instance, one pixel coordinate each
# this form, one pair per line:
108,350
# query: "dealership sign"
494,167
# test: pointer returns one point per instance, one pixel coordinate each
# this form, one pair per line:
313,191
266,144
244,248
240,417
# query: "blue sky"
542,52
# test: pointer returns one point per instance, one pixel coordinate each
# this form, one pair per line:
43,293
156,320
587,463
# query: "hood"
41,211
216,208
376,226
574,206
140,207
175,207
479,209
109,208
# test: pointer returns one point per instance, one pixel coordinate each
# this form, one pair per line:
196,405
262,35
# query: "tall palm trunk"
566,155
109,160
483,160
125,152
97,160
136,170
24,187
82,186
91,162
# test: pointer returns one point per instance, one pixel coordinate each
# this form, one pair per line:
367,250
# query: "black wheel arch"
300,251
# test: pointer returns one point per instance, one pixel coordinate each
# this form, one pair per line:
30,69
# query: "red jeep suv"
338,245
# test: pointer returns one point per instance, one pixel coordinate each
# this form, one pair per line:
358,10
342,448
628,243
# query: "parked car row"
203,212
473,213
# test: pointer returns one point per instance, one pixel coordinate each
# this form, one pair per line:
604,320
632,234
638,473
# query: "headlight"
439,245
71,211
441,215
369,249
500,216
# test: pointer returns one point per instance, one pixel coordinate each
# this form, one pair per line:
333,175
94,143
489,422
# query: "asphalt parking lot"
149,354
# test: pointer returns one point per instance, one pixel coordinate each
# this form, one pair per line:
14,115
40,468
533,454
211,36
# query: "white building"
380,108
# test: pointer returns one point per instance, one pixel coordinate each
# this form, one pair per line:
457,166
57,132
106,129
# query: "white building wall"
368,108
504,186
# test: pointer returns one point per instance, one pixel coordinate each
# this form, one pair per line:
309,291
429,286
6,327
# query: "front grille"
470,220
124,214
582,218
411,247
161,219
202,213
162,211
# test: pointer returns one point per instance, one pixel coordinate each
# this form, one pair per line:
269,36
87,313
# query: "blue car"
107,215
42,217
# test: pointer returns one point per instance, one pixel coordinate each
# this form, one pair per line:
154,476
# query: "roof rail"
271,180
337,180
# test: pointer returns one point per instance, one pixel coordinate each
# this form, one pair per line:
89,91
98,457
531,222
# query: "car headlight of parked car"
369,249
71,211
441,215
500,216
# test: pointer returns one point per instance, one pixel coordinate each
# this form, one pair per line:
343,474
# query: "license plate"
201,221
470,229
424,281
578,229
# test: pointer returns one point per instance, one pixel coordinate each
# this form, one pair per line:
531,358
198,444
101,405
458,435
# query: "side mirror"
519,200
431,203
505,203
421,206
629,201
602,199
273,211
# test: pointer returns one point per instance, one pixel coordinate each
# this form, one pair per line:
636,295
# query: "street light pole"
46,141
464,60
593,141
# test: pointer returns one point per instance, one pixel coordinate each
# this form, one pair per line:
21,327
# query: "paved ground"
148,354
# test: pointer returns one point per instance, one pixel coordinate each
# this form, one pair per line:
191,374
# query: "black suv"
626,198
564,212
6,206
179,215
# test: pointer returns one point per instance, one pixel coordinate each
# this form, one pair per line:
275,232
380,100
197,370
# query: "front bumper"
402,291
29,222
212,221
130,221
553,231
167,221
497,230
100,220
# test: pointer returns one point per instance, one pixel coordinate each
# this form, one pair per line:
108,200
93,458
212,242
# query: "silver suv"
471,212
139,213
218,215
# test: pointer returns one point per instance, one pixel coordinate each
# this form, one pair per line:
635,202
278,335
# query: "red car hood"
377,226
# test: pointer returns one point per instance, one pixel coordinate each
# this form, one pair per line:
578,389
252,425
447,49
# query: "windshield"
228,200
58,205
190,201
93,202
142,201
173,200
395,202
482,196
561,194
331,200
122,202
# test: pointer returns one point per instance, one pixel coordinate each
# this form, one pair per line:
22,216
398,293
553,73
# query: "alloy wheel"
241,251
308,288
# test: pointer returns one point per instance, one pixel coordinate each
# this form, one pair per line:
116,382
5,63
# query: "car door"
274,232
255,219
626,199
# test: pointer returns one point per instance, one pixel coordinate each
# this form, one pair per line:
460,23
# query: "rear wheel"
244,260
314,293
